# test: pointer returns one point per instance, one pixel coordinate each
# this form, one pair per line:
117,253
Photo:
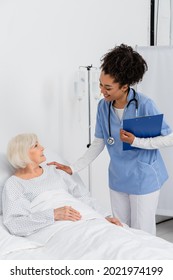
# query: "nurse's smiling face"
112,91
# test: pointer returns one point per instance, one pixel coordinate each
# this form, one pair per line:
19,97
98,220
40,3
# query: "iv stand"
89,120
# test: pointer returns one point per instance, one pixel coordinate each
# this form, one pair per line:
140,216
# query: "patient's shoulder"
57,174
12,186
12,181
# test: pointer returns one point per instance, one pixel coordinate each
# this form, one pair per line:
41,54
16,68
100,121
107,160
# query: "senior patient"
30,180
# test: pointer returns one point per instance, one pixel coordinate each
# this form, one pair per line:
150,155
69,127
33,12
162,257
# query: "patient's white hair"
18,147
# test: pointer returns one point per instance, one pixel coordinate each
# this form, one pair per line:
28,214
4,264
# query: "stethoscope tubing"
110,139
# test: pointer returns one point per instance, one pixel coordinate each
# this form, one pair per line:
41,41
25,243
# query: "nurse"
135,176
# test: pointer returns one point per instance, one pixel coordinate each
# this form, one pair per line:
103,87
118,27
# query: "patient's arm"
17,215
147,143
20,220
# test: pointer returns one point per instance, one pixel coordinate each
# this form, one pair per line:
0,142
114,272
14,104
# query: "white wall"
43,42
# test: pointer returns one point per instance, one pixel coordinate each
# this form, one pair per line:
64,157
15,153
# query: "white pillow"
6,170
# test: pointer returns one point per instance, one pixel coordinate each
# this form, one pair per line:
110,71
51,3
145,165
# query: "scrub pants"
137,211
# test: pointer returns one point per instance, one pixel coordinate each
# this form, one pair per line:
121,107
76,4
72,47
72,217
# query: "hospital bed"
85,239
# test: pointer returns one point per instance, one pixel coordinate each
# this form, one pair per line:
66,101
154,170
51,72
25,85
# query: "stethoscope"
111,139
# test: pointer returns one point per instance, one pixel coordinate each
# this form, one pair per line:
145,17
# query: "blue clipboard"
143,127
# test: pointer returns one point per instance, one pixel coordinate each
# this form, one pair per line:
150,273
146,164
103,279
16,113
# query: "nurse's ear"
125,88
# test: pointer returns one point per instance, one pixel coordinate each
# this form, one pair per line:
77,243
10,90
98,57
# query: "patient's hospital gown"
19,193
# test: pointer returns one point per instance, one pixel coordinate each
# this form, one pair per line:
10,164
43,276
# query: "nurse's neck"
121,102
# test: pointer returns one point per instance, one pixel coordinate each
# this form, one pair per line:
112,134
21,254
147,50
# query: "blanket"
93,237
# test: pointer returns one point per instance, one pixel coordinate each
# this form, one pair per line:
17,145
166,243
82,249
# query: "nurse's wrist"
135,142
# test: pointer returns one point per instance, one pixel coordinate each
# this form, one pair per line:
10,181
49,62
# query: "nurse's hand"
126,136
60,166
114,221
66,213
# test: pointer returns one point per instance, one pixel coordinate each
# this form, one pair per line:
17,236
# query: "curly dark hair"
124,65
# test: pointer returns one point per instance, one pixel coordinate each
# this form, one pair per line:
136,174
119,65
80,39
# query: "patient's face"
36,153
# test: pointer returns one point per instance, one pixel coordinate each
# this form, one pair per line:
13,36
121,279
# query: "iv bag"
95,89
80,84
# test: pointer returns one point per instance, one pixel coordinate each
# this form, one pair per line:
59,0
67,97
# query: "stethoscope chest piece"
110,140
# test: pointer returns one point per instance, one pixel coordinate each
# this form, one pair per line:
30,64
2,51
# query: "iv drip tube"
152,20
89,107
171,24
89,119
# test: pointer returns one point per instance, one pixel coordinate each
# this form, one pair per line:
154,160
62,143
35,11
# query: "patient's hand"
66,213
126,136
63,167
114,221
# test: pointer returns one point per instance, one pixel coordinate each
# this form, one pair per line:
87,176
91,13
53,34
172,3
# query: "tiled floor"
165,230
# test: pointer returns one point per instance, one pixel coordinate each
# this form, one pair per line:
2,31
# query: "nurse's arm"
114,221
91,154
60,166
147,143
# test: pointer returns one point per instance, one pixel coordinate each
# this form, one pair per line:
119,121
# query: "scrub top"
136,171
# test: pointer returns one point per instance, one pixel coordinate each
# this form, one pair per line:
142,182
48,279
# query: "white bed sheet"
11,244
96,240
90,238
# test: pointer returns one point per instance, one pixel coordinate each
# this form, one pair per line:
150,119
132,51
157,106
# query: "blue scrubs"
137,171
